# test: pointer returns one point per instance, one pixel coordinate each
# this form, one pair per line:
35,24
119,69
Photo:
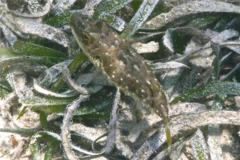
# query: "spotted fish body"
124,68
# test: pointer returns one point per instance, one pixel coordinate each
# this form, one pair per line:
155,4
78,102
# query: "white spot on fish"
137,81
121,79
104,44
106,53
142,90
121,63
148,82
128,75
136,67
113,76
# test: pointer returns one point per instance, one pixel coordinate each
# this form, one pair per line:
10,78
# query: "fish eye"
86,37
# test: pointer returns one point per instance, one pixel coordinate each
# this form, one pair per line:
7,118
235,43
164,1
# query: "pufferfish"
124,68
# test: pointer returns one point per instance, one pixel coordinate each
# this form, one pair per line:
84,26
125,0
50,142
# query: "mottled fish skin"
115,58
